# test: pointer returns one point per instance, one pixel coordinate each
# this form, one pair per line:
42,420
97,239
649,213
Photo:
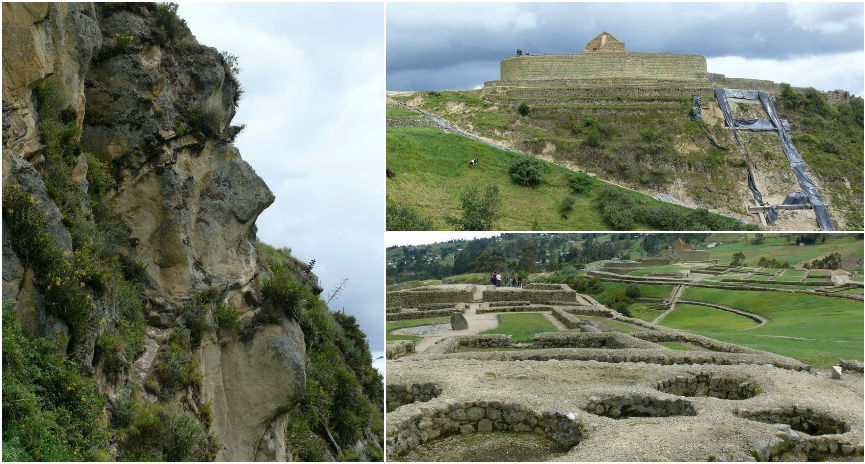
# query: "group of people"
509,281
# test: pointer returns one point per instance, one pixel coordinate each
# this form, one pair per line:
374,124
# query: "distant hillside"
548,252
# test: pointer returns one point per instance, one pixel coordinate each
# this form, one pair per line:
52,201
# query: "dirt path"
477,324
674,297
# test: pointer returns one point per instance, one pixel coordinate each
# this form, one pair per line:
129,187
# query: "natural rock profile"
129,242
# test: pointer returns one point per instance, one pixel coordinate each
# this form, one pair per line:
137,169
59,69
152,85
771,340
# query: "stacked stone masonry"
413,298
804,420
466,417
608,340
639,405
613,65
485,341
399,348
398,395
708,384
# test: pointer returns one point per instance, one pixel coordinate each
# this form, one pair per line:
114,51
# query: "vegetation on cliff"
101,360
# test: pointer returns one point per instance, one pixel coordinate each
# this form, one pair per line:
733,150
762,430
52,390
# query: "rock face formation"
140,96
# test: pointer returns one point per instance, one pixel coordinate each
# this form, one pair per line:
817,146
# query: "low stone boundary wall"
708,384
609,340
399,348
851,366
593,310
465,417
639,405
398,395
403,315
415,297
662,336
430,306
569,320
542,286
806,283
534,296
485,341
515,309
656,356
508,303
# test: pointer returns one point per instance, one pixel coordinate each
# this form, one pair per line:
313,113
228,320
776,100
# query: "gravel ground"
566,386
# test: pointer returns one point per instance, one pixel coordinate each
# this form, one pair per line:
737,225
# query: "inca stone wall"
603,65
414,298
479,416
398,395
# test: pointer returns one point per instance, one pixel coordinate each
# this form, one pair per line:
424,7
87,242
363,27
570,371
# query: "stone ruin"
591,381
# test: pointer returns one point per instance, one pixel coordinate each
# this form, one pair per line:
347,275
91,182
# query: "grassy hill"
647,143
432,172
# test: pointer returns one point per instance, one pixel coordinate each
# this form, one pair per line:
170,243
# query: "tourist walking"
493,278
521,282
498,280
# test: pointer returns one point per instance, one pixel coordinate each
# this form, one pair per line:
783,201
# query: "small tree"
738,259
633,291
568,203
524,109
580,183
527,170
479,210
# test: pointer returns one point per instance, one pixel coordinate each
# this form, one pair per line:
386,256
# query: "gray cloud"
313,107
438,46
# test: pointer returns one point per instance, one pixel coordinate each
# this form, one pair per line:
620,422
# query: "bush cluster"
527,170
50,411
624,212
405,218
164,432
479,209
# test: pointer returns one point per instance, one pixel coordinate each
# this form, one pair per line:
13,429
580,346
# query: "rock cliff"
129,242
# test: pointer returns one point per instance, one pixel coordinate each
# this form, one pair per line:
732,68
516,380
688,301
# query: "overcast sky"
459,46
314,109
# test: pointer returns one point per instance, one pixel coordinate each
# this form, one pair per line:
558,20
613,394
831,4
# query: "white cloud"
314,115
425,238
824,72
825,17
488,16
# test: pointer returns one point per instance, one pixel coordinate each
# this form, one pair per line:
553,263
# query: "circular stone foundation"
489,447
398,395
707,384
639,405
483,417
800,419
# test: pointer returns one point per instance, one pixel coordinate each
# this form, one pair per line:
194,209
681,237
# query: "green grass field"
522,327
784,251
642,311
432,170
646,290
393,325
791,276
696,318
815,329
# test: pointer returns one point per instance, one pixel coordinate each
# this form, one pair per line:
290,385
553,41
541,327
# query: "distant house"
840,277
712,245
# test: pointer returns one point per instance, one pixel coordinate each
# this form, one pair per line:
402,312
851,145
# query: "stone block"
458,321
485,425
836,372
